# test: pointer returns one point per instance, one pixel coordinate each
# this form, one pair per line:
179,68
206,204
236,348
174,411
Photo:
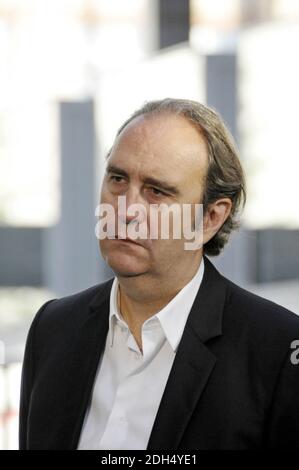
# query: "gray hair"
225,176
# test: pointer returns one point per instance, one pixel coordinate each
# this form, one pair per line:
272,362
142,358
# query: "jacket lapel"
193,363
88,348
190,372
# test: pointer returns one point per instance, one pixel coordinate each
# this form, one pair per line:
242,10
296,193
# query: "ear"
215,216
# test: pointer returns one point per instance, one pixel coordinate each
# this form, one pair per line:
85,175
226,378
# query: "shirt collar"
114,314
172,317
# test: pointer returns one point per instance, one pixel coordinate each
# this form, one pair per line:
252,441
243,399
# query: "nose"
131,207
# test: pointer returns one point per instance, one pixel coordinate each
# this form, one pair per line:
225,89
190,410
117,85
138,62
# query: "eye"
157,192
116,178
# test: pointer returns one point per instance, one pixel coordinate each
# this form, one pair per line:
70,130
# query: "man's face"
155,160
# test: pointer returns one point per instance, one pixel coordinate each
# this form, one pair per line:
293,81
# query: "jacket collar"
209,302
193,363
191,369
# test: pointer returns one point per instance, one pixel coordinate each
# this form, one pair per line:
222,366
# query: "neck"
142,298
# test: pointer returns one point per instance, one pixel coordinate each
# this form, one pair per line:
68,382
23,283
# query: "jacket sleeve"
283,424
27,379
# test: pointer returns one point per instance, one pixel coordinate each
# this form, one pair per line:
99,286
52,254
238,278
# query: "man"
169,354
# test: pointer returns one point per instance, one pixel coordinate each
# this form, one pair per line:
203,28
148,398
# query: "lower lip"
126,241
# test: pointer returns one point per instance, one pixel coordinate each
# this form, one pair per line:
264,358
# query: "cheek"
103,247
170,226
169,249
105,196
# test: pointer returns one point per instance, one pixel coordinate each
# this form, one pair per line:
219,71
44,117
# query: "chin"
124,264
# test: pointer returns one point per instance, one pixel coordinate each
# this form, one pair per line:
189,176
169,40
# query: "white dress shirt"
129,384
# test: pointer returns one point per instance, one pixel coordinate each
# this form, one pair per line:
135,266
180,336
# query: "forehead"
162,143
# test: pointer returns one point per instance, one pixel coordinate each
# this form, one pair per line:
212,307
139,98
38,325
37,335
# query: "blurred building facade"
70,73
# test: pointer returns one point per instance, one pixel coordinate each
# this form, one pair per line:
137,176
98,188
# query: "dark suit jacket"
232,384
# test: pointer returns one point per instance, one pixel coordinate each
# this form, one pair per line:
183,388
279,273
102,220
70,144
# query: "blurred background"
71,71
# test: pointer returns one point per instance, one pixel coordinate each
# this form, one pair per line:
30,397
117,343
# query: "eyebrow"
148,180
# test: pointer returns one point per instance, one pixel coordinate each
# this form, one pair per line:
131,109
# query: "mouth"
128,241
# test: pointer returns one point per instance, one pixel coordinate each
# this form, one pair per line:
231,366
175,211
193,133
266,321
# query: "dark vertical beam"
174,22
238,260
20,256
71,257
278,254
221,88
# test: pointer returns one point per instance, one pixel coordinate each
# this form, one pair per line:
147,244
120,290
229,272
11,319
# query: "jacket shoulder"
73,307
260,312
